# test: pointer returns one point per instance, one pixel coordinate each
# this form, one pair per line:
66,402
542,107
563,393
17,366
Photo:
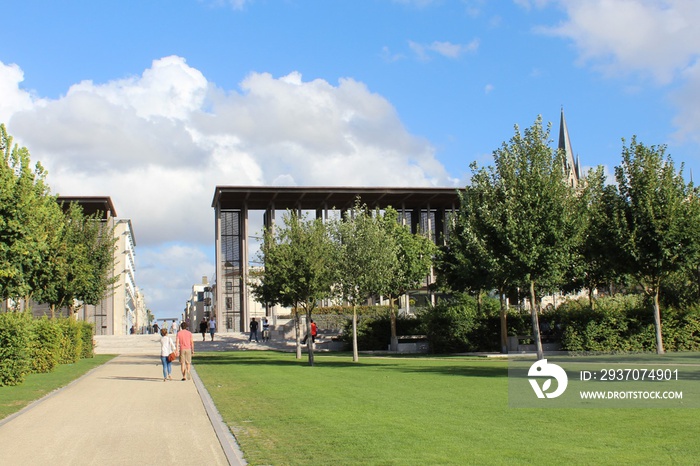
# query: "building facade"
199,305
424,209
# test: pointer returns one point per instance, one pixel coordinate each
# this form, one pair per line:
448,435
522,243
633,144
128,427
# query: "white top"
166,346
212,323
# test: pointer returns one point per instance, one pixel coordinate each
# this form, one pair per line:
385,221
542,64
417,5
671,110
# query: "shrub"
625,324
457,325
15,361
45,344
87,341
681,329
374,333
71,344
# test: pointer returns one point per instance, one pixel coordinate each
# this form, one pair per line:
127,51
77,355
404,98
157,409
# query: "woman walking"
166,347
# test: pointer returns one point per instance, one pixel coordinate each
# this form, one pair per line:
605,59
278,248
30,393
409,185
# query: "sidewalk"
123,413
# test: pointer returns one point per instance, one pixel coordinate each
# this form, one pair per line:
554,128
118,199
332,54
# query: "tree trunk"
504,323
479,300
590,297
297,332
309,338
535,322
657,323
394,342
355,354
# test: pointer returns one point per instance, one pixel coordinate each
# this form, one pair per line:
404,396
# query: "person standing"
253,330
203,328
212,327
314,331
166,347
265,329
185,346
173,327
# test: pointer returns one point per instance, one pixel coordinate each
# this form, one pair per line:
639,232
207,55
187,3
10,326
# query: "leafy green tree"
414,257
25,207
79,265
467,263
298,263
595,264
528,218
368,256
657,219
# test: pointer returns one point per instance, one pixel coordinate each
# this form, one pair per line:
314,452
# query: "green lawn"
427,411
14,398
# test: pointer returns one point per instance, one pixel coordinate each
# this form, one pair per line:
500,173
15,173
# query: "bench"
515,344
412,344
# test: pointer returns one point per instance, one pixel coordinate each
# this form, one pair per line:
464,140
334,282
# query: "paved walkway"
122,413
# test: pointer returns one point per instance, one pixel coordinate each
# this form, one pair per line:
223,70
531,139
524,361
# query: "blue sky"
155,103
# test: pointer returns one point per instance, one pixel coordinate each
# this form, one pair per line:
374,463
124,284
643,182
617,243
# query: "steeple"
571,166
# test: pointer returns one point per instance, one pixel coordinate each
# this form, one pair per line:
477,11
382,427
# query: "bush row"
616,324
30,345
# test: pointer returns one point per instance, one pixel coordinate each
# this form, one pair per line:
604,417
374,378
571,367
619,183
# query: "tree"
657,219
466,263
298,263
25,209
528,216
78,267
414,257
367,257
599,253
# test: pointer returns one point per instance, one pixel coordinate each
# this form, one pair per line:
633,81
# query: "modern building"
424,209
199,305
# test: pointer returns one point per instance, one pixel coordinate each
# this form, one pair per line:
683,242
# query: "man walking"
203,328
253,330
212,327
185,345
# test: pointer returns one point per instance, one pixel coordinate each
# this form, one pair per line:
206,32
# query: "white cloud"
657,37
14,98
159,143
657,40
445,49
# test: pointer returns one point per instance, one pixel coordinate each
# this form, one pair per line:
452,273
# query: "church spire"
571,168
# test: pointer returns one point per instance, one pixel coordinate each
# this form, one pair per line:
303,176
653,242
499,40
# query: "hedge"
45,344
38,345
71,346
15,335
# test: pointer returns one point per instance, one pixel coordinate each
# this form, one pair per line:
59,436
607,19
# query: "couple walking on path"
184,348
207,324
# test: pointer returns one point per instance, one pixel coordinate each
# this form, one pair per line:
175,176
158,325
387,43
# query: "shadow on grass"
264,359
463,371
470,368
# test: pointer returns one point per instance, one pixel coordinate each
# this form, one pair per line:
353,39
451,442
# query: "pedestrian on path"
173,327
185,346
253,330
166,347
212,327
203,328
